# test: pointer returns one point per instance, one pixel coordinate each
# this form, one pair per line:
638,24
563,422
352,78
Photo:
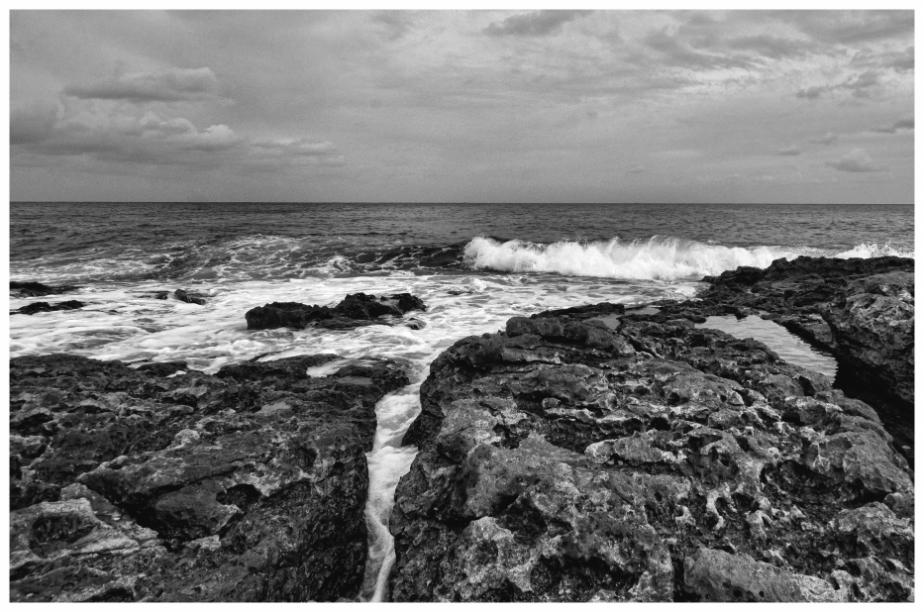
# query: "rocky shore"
595,453
606,454
162,484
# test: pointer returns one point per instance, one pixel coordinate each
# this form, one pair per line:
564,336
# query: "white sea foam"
867,250
658,258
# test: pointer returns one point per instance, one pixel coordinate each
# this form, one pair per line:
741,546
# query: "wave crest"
658,258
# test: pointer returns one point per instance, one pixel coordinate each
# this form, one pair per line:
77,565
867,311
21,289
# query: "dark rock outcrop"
355,310
36,307
592,454
860,310
34,289
249,485
190,297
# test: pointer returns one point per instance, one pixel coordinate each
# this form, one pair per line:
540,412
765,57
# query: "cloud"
902,124
32,123
297,149
860,86
791,150
825,139
677,53
851,27
812,92
113,135
857,160
774,47
170,85
899,61
537,23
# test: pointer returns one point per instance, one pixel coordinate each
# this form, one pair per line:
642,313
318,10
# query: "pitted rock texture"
592,454
163,484
860,310
355,310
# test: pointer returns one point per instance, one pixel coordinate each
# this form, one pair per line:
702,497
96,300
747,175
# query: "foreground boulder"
355,310
596,454
163,484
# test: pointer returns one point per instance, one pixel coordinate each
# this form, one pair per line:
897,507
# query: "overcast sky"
463,106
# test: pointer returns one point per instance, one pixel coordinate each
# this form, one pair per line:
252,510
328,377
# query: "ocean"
474,265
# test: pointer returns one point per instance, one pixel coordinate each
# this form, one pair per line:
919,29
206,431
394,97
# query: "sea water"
474,265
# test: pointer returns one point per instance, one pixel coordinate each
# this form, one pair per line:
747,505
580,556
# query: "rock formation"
597,454
36,307
162,484
355,310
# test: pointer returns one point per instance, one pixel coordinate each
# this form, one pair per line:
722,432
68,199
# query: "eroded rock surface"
163,484
596,454
355,310
860,310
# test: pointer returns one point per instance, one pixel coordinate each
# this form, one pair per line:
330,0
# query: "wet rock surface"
163,484
35,289
36,307
355,310
859,310
190,297
603,454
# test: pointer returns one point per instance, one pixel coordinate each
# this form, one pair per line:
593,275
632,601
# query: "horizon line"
449,202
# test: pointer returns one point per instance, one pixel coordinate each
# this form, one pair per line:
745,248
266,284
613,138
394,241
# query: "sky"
463,106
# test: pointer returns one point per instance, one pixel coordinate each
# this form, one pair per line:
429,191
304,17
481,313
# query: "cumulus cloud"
170,85
112,134
902,124
857,160
536,23
790,150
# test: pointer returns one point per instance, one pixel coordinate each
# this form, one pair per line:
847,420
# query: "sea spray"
658,258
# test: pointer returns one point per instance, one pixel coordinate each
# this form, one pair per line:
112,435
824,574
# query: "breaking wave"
258,257
658,258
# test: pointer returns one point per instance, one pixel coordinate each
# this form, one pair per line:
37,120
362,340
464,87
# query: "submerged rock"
249,485
591,454
34,289
355,310
37,307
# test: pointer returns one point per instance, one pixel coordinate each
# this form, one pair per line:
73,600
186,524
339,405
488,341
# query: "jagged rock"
190,297
592,454
36,307
860,310
354,310
249,485
34,289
